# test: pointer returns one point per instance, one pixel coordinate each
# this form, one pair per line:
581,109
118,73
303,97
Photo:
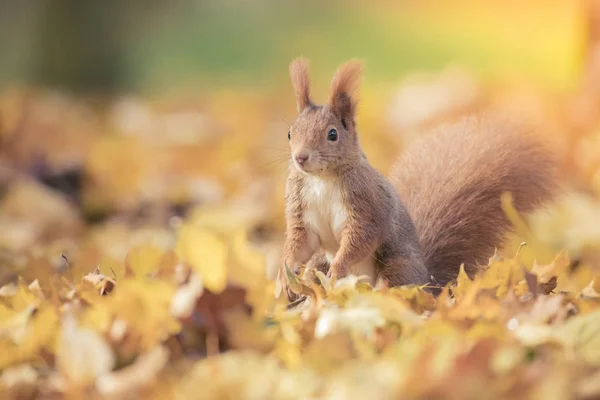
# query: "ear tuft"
344,90
301,82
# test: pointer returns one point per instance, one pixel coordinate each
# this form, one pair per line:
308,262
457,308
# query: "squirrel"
439,208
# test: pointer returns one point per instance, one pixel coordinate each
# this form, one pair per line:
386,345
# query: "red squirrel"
439,208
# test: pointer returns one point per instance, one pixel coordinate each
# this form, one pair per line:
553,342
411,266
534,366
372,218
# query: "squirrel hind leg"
398,270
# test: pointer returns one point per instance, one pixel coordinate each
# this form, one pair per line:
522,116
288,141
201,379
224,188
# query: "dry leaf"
131,379
206,254
185,298
82,355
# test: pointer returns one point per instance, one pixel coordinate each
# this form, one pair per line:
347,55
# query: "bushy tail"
451,181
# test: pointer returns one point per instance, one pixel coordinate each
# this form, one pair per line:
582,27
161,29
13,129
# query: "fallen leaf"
186,296
135,377
206,254
82,354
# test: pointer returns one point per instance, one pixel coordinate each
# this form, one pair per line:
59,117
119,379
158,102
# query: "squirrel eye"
289,135
332,135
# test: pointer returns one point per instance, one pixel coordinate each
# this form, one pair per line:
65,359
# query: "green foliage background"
151,45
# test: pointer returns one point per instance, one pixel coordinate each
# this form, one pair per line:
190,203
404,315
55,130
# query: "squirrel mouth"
299,166
311,170
302,168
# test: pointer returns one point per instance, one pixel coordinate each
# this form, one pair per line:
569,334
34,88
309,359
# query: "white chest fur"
325,215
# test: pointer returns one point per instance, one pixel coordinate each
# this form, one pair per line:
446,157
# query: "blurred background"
153,46
117,119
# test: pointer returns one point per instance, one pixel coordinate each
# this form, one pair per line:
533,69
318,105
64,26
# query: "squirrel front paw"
337,271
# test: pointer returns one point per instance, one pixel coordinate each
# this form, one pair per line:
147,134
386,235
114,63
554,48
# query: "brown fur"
343,97
301,82
451,183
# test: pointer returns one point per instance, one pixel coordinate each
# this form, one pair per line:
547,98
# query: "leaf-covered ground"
139,241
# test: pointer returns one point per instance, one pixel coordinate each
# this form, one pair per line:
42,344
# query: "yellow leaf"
15,327
485,329
206,254
248,333
144,306
22,298
248,265
575,281
546,272
582,333
534,246
99,317
289,353
36,333
227,218
596,284
144,260
103,284
500,274
463,283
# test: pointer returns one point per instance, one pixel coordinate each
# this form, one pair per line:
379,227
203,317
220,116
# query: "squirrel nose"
301,157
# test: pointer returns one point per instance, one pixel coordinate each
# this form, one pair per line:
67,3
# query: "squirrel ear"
301,82
344,87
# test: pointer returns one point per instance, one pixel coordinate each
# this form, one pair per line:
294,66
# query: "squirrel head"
323,138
